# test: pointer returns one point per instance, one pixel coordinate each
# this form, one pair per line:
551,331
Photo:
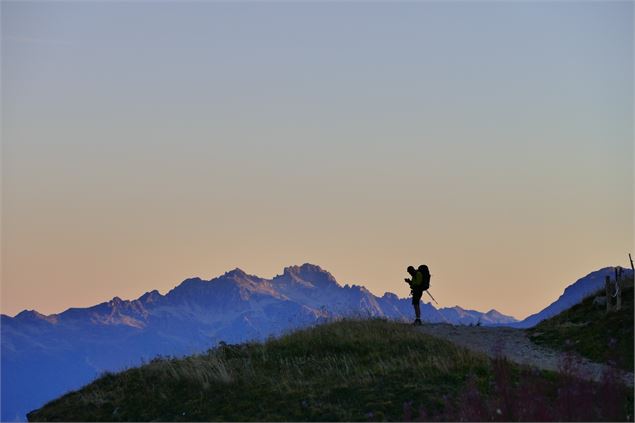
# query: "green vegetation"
352,370
589,331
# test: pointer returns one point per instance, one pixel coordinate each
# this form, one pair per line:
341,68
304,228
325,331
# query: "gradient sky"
146,143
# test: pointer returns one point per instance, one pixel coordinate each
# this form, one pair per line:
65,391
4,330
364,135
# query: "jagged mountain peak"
309,273
233,279
222,291
190,282
237,272
26,314
150,297
29,314
390,296
35,316
359,288
240,277
305,268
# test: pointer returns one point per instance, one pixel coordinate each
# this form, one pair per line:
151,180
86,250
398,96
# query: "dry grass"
351,370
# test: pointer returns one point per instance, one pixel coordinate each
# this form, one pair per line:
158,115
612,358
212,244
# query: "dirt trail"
514,345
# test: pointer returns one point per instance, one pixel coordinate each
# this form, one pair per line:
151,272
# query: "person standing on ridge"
419,282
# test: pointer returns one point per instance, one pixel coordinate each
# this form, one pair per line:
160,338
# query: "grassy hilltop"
342,371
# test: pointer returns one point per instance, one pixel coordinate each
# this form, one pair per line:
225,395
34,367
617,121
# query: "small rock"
599,301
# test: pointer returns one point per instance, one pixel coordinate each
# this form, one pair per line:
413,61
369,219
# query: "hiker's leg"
415,303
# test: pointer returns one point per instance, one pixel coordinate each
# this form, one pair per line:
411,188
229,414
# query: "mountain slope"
572,295
591,332
45,356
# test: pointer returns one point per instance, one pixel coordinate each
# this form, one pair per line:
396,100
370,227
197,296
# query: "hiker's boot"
417,322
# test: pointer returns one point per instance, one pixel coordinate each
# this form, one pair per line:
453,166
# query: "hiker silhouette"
419,281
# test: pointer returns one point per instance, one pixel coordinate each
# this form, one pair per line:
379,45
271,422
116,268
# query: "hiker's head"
424,270
411,270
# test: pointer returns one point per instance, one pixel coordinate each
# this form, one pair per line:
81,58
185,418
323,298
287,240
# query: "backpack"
425,272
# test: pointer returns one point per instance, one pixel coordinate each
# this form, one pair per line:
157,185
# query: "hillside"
589,331
369,370
572,295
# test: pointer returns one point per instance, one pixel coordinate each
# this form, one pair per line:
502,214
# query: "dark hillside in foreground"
368,370
591,332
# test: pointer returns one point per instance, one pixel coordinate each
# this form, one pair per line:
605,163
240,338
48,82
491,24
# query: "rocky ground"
515,345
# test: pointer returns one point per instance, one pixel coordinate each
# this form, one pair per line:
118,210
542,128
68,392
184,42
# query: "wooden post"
618,300
618,288
607,289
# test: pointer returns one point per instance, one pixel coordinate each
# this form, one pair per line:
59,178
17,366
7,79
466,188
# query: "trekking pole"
427,292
